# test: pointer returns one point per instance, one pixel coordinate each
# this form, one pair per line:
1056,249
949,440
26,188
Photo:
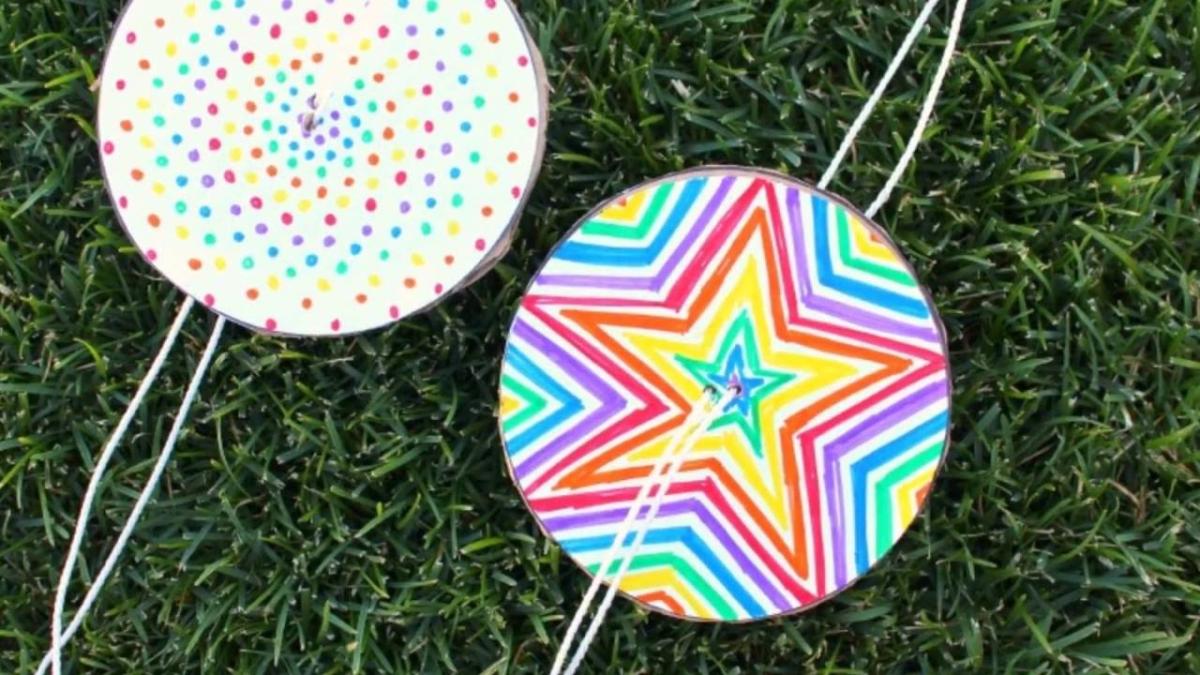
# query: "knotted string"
695,424
332,78
686,433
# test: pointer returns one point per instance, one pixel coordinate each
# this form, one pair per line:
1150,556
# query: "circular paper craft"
711,278
405,187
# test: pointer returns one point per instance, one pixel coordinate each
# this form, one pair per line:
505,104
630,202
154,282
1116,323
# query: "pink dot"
131,37
222,73
120,85
371,204
523,61
286,218
516,193
384,31
532,122
276,31
151,255
248,58
480,244
311,16
429,126
272,325
108,148
210,300
427,90
214,144
395,312
330,220
401,177
230,176
491,4
413,55
348,19
438,288
123,202
336,325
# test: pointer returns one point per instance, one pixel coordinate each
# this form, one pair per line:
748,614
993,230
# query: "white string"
675,453
680,450
337,71
60,637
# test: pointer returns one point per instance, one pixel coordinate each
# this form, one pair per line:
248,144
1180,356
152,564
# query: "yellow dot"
273,282
331,37
235,155
410,93
232,94
372,183
182,232
497,131
220,264
418,260
159,188
304,206
143,104
399,155
172,49
300,43
464,17
281,196
190,10
147,142
252,178
374,280
343,201
365,45
273,60
412,123
491,177
493,72
393,63
454,227
324,286
230,128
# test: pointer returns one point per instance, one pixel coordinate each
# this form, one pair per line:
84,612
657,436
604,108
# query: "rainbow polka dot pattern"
403,188
710,279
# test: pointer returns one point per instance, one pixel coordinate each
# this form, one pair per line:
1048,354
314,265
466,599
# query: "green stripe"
693,578
883,490
534,403
599,228
848,259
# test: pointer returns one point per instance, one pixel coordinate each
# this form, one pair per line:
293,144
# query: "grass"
341,506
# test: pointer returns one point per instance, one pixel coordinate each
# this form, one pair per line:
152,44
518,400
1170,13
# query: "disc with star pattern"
714,277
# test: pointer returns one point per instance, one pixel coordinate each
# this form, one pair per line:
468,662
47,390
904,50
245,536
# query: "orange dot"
159,22
349,182
514,97
252,293
126,125
354,60
487,212
389,133
256,153
306,303
493,37
272,171
259,81
391,106
410,283
251,106
512,158
361,298
248,130
154,220
449,260
318,57
378,77
137,174
322,192
296,64
373,160
296,182
195,264
144,64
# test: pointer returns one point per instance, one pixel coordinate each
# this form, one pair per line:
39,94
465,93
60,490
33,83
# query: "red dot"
384,31
276,31
331,220
413,55
311,17
371,204
401,177
248,58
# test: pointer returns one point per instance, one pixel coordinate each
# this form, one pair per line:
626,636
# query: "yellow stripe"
508,405
869,248
627,213
907,496
638,583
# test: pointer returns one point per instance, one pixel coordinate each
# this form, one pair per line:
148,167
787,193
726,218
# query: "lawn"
343,505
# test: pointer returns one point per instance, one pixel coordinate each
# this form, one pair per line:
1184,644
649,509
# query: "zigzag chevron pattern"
715,277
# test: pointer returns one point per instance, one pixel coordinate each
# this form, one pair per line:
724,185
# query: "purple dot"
330,241
236,209
261,228
405,207
254,20
287,4
441,65
335,132
446,148
208,181
196,122
234,46
297,240
335,115
367,230
194,155
429,179
320,139
447,106
201,84
411,30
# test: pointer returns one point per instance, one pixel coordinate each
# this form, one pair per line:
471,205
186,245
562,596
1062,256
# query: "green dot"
431,6
180,208
291,272
248,263
474,157
210,239
273,146
194,38
162,161
270,97
321,172
384,255
373,106
293,163
360,85
158,83
159,120
479,102
184,69
426,229
281,77
466,50
349,162
368,137
342,267
310,79
216,4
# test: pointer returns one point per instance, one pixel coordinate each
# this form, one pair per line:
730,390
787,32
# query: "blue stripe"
692,541
570,405
595,254
875,295
859,470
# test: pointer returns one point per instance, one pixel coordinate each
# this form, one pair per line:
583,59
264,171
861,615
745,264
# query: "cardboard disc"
405,187
710,278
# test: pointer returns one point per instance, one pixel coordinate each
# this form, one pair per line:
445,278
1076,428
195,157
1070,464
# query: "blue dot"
311,260
204,60
348,143
177,139
286,107
330,156
273,251
294,91
294,146
350,100
181,181
431,202
463,79
455,172
179,99
355,122
309,154
396,232
205,212
239,237
465,126
355,249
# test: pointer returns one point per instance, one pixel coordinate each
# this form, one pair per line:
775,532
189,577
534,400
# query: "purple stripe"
888,418
559,524
656,282
858,316
611,401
